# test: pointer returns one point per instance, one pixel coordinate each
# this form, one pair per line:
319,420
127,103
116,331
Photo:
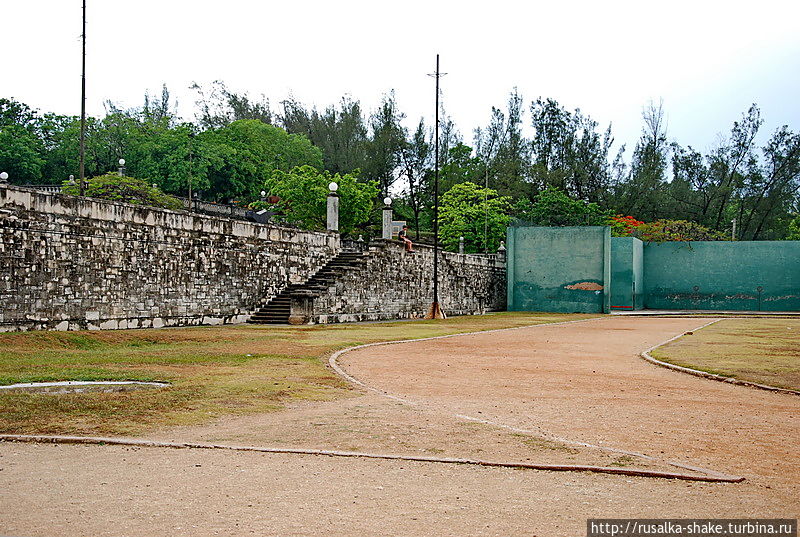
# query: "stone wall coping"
113,211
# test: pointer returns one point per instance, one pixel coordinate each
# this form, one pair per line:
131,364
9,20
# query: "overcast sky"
707,60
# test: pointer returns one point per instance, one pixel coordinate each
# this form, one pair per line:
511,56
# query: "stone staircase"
278,309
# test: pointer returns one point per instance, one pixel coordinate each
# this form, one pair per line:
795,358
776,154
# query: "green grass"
213,371
766,351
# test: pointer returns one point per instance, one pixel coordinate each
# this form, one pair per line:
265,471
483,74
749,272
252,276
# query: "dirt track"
580,381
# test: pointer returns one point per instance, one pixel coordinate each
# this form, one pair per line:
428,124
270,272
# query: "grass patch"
539,443
766,351
214,371
624,460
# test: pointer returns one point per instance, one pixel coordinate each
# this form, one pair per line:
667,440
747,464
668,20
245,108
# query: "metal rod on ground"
435,311
83,100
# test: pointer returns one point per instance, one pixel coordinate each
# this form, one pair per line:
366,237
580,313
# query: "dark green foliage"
303,192
114,187
553,207
233,148
475,213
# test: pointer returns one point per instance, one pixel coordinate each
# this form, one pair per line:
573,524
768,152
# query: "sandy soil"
579,382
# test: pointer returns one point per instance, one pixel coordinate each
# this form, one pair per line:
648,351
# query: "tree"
794,228
20,154
415,161
21,149
386,140
113,187
568,153
644,191
340,133
554,207
219,106
244,154
505,151
462,214
303,193
734,181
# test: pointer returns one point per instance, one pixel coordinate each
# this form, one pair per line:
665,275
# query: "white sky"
708,60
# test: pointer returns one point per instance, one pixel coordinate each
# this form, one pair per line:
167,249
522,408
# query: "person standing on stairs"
403,236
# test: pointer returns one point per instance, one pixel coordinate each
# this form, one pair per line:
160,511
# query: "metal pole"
83,100
435,311
436,199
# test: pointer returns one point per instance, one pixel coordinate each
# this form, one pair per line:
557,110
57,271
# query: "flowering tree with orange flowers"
623,226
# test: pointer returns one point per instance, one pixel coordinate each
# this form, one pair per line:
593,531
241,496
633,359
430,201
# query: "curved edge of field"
711,371
706,473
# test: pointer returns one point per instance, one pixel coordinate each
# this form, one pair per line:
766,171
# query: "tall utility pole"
83,100
435,311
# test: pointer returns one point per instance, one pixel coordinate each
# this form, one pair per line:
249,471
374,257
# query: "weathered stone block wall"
394,284
72,263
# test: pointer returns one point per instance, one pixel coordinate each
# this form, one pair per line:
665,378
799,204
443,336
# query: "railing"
44,188
354,245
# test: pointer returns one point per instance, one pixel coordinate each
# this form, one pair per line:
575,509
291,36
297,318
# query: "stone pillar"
387,218
501,251
333,207
461,245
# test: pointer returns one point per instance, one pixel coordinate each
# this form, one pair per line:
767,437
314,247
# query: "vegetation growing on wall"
114,187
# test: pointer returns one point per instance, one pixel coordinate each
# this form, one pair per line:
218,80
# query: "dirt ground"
537,391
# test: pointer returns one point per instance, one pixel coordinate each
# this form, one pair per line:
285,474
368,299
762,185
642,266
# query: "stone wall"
394,284
70,263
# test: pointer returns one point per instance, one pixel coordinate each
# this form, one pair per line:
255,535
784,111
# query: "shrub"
114,187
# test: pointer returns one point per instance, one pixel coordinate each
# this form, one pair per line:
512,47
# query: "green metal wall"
627,282
561,269
744,276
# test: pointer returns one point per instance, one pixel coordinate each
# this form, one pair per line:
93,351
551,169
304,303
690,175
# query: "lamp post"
121,170
333,207
387,218
3,177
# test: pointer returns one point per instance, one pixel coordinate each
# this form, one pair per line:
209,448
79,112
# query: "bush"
676,230
114,187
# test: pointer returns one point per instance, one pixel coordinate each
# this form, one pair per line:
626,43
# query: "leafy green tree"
794,228
554,207
475,213
303,193
21,149
114,187
20,155
461,167
244,154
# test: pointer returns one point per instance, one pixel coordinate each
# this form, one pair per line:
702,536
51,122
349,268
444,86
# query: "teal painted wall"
626,274
561,269
723,275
